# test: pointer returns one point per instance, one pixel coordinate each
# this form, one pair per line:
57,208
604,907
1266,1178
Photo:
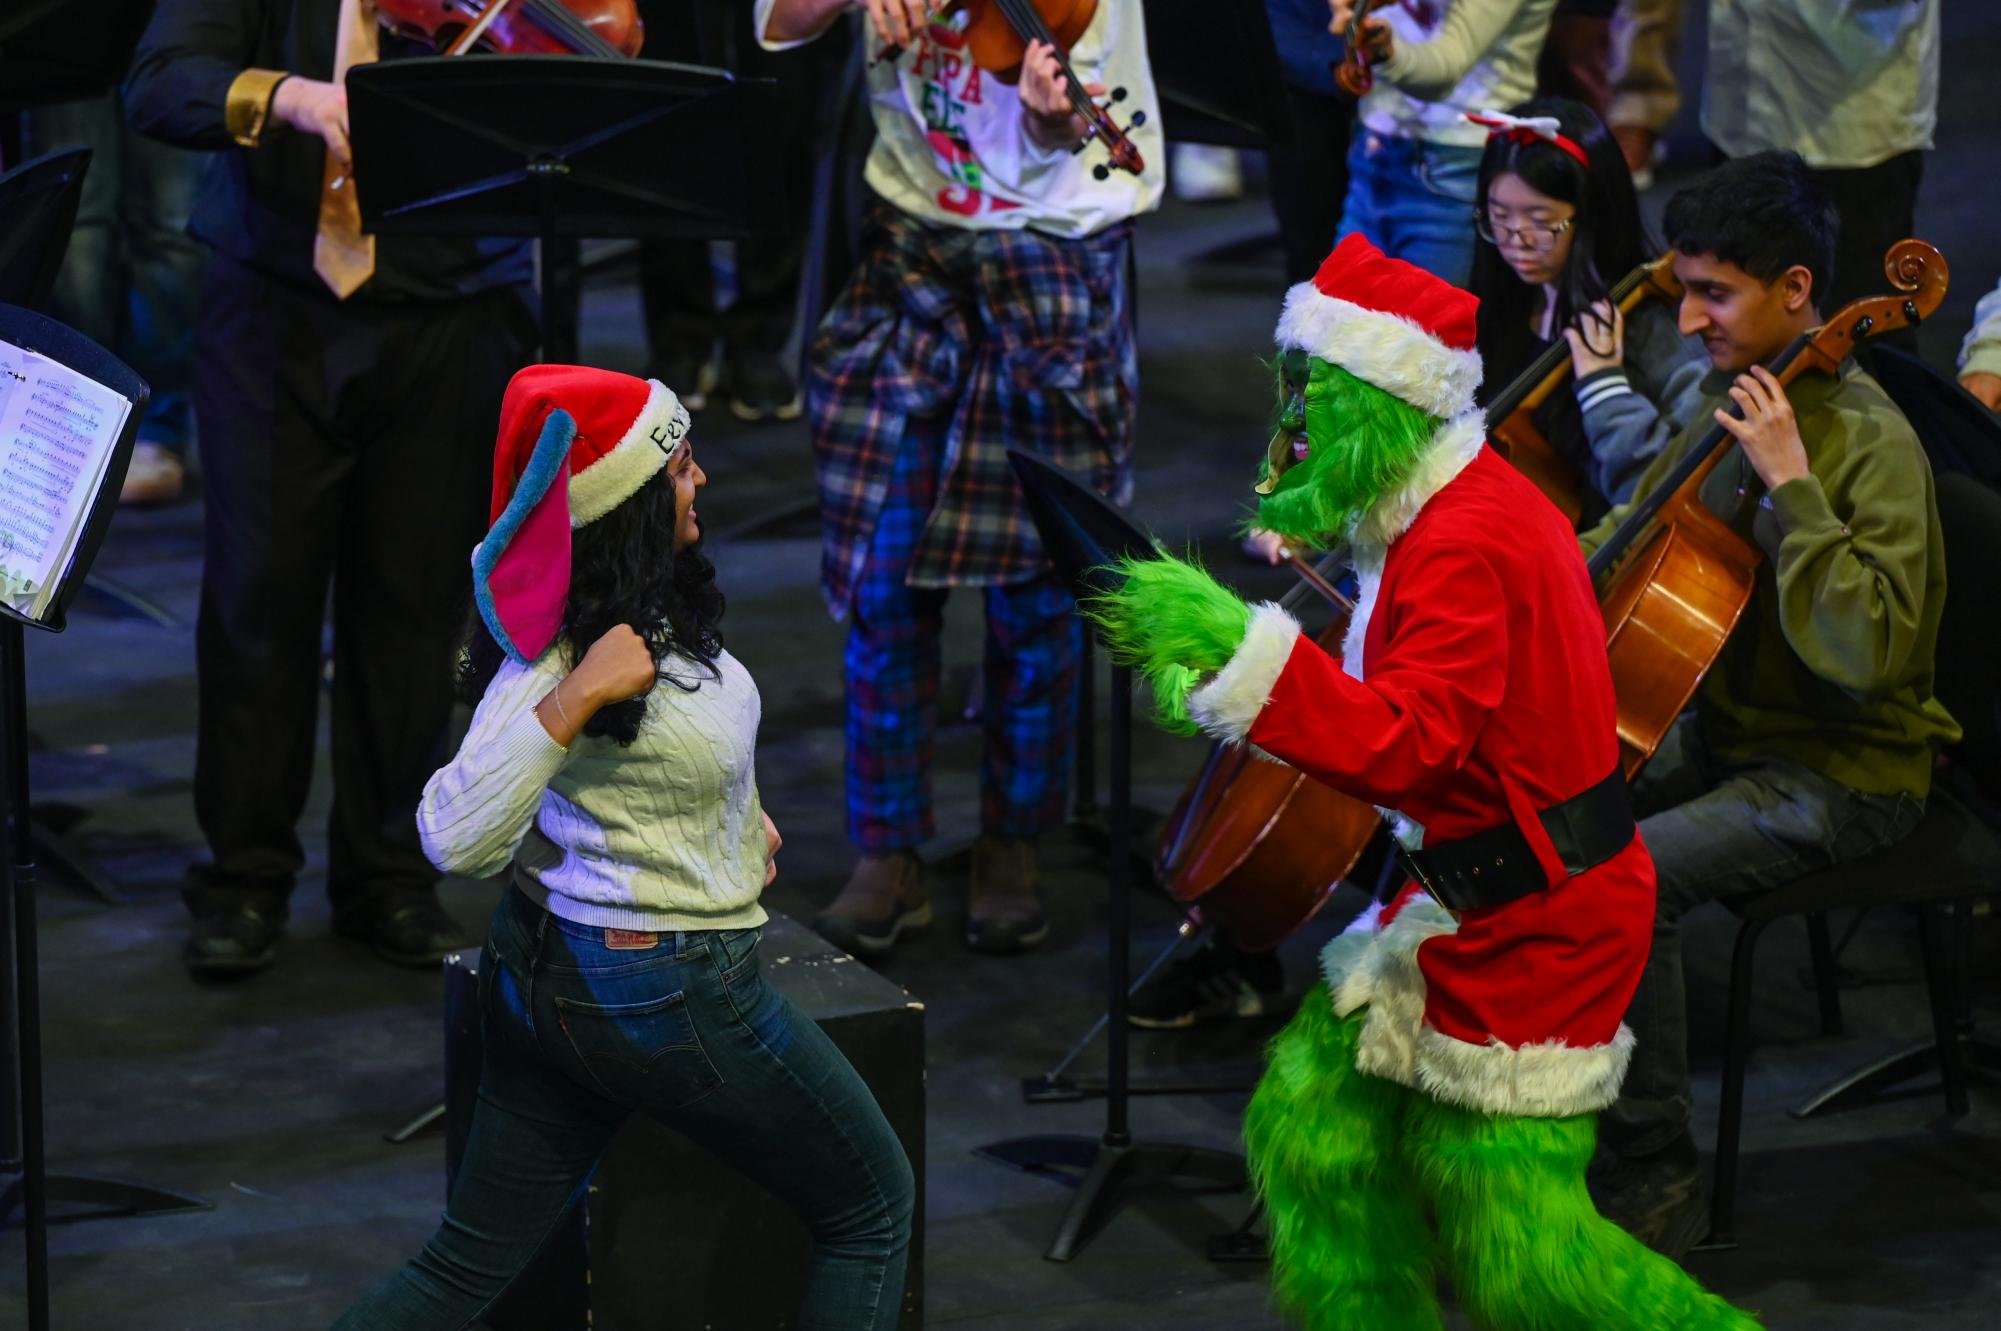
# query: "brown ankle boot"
883,900
1004,911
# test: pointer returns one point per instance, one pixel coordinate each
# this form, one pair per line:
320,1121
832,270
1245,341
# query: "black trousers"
676,283
1878,206
1309,179
344,447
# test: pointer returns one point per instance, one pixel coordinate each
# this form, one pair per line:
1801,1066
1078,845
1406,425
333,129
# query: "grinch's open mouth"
1287,448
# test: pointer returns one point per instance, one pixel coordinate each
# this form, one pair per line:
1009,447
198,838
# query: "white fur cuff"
1227,706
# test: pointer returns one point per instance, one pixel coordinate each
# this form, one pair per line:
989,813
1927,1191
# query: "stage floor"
270,1098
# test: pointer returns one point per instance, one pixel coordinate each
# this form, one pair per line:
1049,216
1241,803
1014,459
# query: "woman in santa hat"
611,763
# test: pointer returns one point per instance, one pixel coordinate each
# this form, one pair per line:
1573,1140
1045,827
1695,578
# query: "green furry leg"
1349,1244
1527,1250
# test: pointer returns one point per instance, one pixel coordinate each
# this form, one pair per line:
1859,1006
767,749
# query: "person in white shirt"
1415,160
1980,354
1849,85
611,770
990,310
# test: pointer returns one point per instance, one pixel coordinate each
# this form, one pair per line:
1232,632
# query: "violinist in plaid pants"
990,310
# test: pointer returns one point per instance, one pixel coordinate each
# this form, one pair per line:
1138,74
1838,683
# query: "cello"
1254,845
1511,426
1673,577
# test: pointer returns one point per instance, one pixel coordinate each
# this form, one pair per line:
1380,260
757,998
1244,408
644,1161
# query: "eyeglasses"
1535,237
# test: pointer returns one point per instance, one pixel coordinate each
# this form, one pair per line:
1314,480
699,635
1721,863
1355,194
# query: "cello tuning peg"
1101,172
1118,94
1139,118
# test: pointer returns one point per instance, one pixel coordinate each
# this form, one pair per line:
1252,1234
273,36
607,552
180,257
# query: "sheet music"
57,430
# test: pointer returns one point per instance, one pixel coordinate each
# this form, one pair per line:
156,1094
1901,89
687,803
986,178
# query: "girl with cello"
1558,226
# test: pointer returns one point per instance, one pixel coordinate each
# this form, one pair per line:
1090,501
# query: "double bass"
1674,579
1511,426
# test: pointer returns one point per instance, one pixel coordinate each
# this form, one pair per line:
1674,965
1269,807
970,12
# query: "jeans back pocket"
646,1055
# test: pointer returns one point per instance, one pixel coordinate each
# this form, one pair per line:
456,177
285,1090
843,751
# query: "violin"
606,29
1679,578
1511,426
1353,71
1256,847
997,34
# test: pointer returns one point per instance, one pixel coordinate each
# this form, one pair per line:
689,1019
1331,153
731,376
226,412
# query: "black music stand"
1956,428
20,997
58,51
555,147
1083,531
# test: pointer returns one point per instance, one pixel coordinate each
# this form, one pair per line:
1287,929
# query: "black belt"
1494,867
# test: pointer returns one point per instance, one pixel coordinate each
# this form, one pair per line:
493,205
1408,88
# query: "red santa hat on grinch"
1390,324
574,444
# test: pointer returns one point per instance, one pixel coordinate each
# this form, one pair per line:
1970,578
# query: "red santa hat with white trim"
1389,323
574,444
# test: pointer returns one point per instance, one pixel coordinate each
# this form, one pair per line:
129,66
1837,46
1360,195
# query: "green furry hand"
1173,623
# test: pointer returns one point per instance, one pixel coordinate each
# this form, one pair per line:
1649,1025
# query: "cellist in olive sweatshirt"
1811,739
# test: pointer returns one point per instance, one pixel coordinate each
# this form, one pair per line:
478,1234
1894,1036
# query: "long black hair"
623,570
1608,239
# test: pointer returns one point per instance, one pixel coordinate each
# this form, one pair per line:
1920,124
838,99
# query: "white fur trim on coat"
1228,705
1455,444
616,476
1396,354
1368,966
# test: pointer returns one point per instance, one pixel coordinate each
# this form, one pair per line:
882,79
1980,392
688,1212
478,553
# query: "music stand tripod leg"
1114,1161
21,1118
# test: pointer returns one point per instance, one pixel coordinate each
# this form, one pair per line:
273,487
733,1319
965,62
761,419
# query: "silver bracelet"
557,694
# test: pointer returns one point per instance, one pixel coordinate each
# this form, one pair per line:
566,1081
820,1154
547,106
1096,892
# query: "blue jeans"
578,1036
1414,201
132,272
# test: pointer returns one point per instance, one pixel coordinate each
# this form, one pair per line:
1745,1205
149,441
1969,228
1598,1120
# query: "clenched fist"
618,666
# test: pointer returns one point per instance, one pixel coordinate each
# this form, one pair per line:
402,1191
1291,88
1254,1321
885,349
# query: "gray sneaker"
883,900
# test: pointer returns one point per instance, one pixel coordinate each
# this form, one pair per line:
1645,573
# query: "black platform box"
669,1237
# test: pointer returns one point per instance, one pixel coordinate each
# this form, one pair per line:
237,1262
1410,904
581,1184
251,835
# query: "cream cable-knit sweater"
666,834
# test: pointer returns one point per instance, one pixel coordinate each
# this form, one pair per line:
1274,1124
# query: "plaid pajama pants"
947,348
1032,644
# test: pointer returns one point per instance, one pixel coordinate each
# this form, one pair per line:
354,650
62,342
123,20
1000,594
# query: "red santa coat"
1476,692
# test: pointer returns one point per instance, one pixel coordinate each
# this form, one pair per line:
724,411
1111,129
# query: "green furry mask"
1362,444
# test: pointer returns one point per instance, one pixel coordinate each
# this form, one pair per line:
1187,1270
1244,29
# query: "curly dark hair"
617,576
1764,213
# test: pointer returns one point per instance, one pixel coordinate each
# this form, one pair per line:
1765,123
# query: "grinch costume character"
1433,1104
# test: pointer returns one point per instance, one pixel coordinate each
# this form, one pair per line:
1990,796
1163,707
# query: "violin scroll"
1120,150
